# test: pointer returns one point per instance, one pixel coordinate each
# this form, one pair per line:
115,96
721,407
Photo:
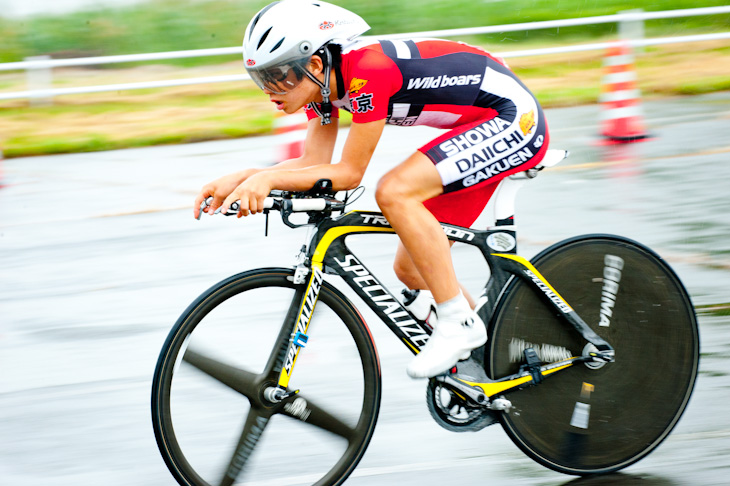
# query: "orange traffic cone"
291,131
621,119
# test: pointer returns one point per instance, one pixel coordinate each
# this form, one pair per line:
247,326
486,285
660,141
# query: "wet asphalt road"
100,254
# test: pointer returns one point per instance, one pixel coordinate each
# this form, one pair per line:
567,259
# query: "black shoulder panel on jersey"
448,79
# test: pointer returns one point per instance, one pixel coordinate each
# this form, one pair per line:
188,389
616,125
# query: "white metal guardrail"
39,69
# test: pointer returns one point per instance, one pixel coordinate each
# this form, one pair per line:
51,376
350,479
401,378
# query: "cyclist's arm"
319,146
347,174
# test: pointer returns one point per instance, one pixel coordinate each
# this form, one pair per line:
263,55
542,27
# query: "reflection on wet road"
100,254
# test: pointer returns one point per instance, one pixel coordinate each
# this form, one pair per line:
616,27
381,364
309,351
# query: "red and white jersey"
438,83
495,125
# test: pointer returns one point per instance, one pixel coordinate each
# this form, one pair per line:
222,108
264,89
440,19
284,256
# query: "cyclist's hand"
219,189
251,194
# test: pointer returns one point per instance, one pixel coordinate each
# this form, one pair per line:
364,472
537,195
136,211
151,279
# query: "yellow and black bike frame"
328,253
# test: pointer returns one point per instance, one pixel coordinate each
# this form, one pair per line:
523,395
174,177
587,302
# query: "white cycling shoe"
452,340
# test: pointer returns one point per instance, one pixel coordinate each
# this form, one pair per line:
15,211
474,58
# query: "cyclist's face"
302,94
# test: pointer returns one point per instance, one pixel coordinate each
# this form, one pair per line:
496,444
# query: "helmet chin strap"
324,88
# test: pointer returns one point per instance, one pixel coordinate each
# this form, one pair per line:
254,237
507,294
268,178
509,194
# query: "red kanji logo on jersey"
250,62
362,103
326,25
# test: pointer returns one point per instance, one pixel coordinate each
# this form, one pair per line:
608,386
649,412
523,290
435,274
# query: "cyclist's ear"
316,65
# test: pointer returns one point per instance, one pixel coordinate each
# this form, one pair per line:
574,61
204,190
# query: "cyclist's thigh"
413,178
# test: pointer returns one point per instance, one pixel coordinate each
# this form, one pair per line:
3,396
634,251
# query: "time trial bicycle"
591,358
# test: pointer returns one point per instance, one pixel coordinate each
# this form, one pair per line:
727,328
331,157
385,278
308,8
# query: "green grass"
18,146
208,112
716,310
168,25
232,110
568,96
707,85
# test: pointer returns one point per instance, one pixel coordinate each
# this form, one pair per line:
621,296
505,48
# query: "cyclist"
309,54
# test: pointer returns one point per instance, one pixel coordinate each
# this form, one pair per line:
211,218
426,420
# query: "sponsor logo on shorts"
475,136
443,81
527,122
489,149
496,168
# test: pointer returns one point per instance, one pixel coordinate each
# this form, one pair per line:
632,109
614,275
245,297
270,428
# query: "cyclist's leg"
400,195
467,158
461,208
408,274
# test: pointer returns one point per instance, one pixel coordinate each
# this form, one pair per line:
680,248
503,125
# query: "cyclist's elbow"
349,183
348,179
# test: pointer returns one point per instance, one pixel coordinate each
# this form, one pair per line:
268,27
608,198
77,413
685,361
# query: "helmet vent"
278,45
253,25
258,17
263,38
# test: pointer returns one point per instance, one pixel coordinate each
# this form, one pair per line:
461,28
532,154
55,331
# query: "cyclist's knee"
407,274
389,192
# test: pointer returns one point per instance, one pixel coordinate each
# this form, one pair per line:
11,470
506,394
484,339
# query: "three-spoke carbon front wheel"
587,420
212,421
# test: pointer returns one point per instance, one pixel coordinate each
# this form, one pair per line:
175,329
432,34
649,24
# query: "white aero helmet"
281,38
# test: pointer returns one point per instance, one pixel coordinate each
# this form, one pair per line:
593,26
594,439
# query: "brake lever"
232,210
203,205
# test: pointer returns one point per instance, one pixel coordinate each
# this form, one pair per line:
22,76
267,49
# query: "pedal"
500,405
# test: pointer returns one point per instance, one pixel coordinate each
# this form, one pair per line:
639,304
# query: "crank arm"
473,393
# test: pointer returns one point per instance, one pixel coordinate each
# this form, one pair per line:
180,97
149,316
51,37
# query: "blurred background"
123,118
100,254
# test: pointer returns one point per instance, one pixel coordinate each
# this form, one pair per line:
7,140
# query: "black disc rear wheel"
582,420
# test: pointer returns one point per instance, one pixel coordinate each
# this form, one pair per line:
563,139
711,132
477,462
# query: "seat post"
506,193
505,197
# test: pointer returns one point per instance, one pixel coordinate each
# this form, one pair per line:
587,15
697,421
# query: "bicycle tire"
196,416
585,421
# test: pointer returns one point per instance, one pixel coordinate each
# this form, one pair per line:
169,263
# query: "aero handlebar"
283,205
